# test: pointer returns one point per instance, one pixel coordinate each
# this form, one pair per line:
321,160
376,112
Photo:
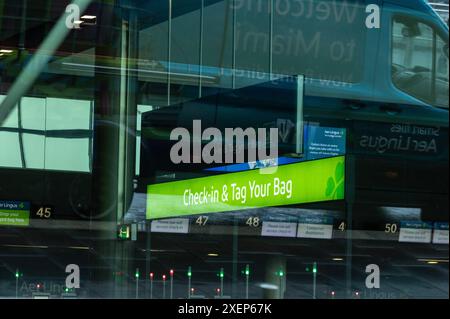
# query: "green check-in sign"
304,182
14,213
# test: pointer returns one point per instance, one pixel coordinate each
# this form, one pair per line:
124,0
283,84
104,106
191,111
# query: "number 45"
44,212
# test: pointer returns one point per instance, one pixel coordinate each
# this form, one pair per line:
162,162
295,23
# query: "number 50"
390,228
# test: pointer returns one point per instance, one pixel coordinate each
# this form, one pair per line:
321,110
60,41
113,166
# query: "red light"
333,293
171,272
164,277
192,289
151,275
218,289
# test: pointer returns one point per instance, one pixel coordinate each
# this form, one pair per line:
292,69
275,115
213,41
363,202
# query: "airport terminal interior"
215,149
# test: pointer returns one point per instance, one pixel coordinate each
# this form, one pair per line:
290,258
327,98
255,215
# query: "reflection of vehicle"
425,75
337,53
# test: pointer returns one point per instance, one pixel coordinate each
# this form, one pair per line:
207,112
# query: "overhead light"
433,261
6,51
26,246
265,285
213,255
89,19
338,259
150,73
77,24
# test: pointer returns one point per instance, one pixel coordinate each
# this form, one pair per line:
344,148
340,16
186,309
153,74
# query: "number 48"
253,221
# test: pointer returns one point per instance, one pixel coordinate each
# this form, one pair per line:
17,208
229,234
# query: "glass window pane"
67,154
88,152
412,58
11,119
10,150
34,146
66,114
33,113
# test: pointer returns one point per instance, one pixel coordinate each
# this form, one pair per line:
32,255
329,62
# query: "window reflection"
48,133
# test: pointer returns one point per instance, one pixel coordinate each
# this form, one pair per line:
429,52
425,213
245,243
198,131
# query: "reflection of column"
200,56
105,159
233,46
275,265
234,272
113,156
169,51
271,13
350,200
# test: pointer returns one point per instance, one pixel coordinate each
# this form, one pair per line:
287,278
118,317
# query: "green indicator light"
17,275
189,272
247,270
314,268
281,273
221,273
124,232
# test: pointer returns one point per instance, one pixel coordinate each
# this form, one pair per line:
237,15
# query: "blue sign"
14,205
320,142
441,226
319,220
416,224
324,142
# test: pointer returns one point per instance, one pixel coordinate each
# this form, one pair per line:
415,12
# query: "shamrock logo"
335,185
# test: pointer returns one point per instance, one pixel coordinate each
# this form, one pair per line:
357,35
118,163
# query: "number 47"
201,220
